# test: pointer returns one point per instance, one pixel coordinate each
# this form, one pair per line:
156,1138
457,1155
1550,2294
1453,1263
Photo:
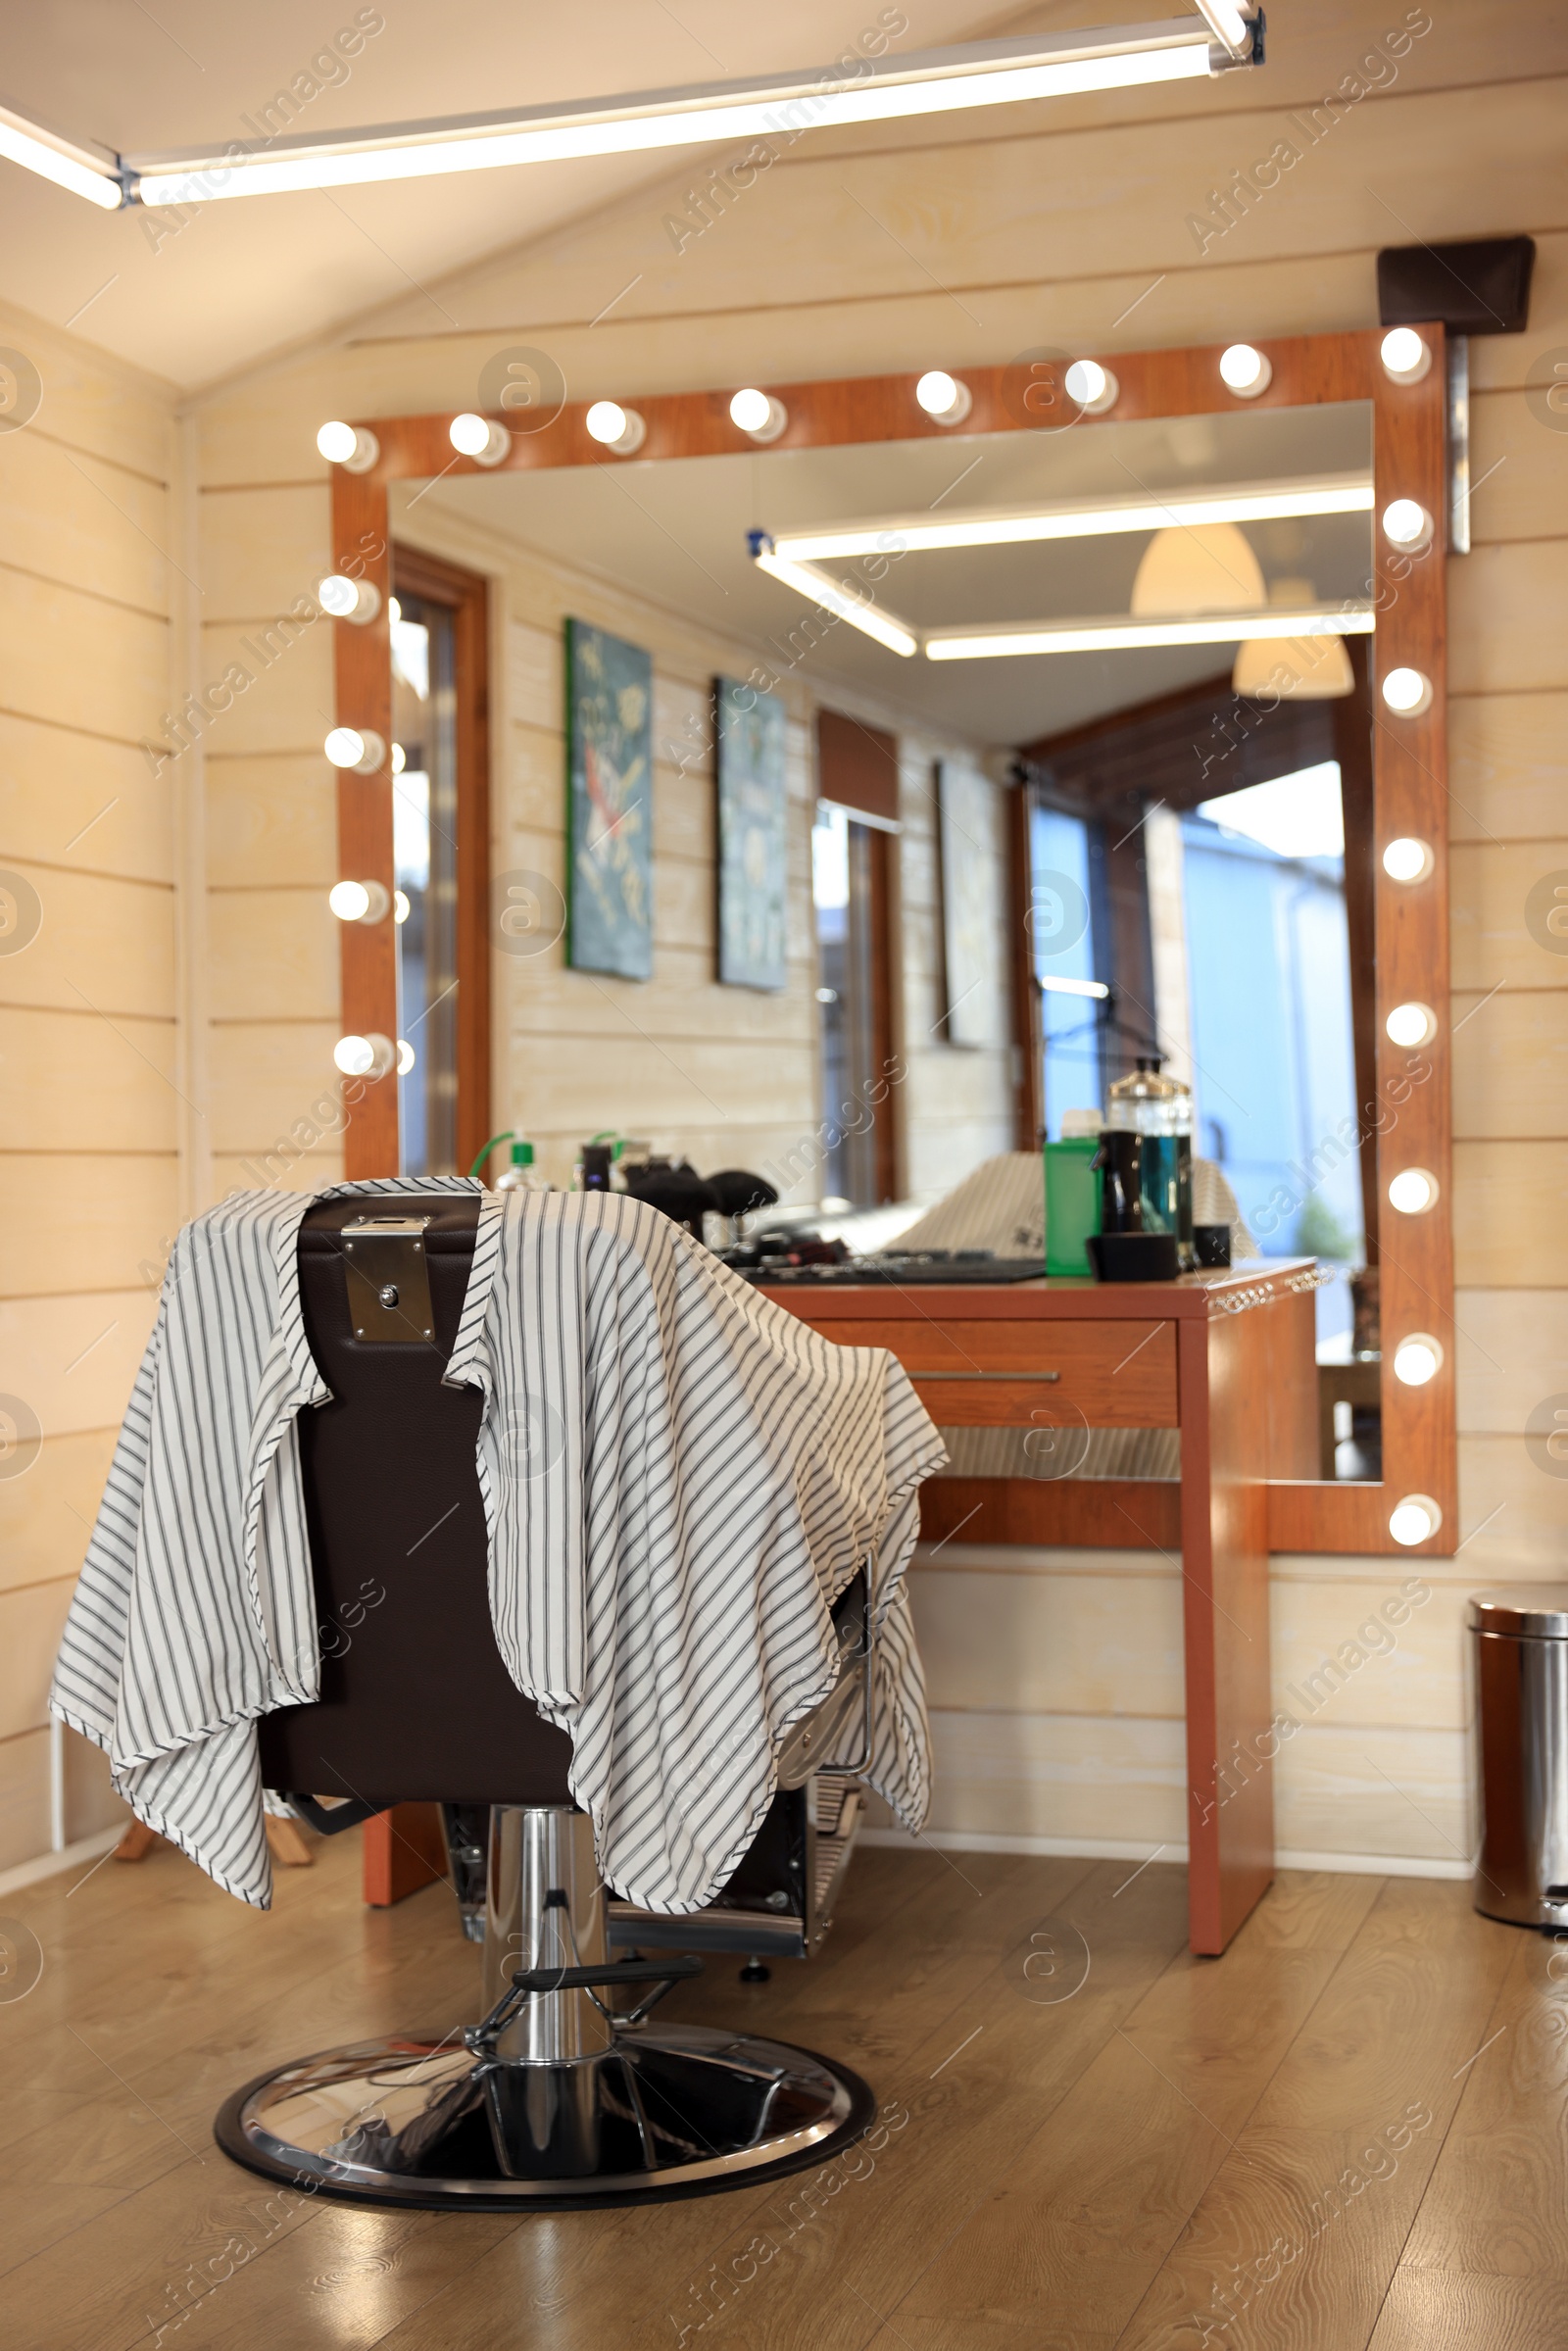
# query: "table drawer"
1010,1374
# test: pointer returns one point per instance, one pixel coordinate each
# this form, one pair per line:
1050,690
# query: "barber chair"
557,2097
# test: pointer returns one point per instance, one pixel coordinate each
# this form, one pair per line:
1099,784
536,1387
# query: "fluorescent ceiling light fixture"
1228,24
1096,988
883,89
93,173
819,589
1082,519
1107,636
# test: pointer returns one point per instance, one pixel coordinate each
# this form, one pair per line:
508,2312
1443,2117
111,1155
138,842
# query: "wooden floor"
1351,2130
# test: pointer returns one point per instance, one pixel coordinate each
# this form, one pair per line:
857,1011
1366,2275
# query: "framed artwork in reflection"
749,760
610,913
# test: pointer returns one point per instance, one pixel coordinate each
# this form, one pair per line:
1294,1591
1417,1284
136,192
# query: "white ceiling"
247,277
675,532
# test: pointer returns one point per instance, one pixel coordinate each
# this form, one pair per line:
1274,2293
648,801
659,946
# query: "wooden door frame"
1410,762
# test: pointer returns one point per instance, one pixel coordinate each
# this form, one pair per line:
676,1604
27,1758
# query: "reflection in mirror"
1159,631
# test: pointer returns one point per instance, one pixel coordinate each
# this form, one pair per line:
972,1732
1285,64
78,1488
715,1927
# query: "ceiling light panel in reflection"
1106,636
1081,518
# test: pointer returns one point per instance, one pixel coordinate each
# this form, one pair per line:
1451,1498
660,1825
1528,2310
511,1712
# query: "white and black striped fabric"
680,1480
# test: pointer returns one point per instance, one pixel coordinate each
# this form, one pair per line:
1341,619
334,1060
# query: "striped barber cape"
680,1480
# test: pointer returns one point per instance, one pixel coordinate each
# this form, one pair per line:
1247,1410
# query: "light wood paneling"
74,519
1488,891
76,1213
101,668
1511,1349
1502,634
32,1619
93,405
1052,1645
1514,1515
262,548
1510,1064
102,944
24,1797
267,1079
69,800
1511,1215
1508,765
72,1359
274,950
47,1514
299,1169
1116,1778
1348,1655
76,1081
288,704
271,823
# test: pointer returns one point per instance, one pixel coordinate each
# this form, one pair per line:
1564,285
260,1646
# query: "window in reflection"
424,812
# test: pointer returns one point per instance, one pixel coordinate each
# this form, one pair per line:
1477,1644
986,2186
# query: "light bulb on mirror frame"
348,446
1245,370
1405,356
476,437
1406,692
1411,1025
615,427
1093,387
1415,1518
1407,859
1413,1191
1417,1360
757,413
345,598
359,901
399,759
1407,525
944,399
358,748
400,905
405,1056
370,1056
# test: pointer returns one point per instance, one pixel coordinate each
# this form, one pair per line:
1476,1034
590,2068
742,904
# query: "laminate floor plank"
1061,2253
1084,2132
1297,2237
1497,2202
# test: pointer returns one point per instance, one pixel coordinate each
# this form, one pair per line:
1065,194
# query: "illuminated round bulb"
405,1056
356,600
1408,692
1411,1025
359,748
476,437
758,414
1405,355
400,905
1417,1360
1413,1191
1407,859
359,901
618,428
1244,372
399,759
364,1056
1406,524
1092,386
944,399
348,446
1415,1518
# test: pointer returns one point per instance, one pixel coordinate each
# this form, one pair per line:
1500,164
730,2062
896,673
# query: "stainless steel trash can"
1519,1638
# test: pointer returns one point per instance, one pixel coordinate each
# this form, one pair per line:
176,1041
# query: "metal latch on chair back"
388,1279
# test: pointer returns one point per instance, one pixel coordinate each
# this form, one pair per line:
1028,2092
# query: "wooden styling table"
1225,1357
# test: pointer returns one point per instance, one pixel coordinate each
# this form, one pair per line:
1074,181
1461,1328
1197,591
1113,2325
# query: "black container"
1134,1256
1120,1161
1212,1242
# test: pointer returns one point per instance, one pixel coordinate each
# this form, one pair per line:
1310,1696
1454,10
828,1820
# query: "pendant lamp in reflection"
1298,668
1199,568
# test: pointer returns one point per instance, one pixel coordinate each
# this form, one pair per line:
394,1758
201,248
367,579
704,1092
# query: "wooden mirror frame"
1409,769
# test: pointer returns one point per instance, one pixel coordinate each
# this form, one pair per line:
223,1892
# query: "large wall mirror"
1191,602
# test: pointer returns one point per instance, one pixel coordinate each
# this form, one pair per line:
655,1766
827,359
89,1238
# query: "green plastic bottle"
1072,1203
522,1175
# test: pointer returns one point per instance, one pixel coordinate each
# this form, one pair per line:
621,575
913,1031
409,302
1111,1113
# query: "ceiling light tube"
1056,987
819,589
1003,73
1107,636
90,172
1083,518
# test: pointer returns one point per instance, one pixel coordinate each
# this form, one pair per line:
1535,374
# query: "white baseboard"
1107,1848
68,1857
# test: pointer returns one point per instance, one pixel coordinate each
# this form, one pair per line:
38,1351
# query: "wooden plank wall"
90,1153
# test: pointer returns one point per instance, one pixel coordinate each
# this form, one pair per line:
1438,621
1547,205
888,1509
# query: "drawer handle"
1012,1376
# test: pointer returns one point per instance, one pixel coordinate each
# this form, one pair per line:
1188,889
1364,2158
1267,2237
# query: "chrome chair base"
668,2111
